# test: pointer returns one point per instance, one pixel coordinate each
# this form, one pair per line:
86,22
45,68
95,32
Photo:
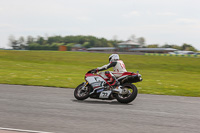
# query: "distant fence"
178,55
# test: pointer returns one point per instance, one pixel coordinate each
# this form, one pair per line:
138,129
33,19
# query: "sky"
158,21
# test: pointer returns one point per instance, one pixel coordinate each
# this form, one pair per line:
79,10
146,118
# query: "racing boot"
113,81
116,86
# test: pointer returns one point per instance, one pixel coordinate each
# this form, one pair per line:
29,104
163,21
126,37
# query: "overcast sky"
158,21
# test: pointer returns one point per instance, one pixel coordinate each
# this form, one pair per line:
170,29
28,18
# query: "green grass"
161,74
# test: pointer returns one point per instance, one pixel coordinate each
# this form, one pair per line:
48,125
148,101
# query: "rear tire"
127,98
82,92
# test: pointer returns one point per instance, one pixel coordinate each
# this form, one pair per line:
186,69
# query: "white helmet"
113,57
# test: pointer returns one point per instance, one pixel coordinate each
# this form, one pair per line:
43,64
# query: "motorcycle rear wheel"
82,92
130,96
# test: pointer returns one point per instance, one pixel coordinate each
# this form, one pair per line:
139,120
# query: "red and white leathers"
118,69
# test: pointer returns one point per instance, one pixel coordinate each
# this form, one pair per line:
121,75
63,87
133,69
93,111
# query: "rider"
118,69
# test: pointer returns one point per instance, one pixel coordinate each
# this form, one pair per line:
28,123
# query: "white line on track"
21,130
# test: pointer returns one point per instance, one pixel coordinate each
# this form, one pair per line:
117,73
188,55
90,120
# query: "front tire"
82,92
130,96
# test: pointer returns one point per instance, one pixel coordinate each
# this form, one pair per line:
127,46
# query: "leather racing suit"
118,69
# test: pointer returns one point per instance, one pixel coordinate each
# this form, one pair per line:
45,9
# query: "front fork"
85,84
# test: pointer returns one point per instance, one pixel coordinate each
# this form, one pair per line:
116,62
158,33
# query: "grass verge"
162,75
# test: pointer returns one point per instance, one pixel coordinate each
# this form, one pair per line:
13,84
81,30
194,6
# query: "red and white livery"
99,87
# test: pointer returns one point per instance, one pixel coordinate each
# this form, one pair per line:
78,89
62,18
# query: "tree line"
53,42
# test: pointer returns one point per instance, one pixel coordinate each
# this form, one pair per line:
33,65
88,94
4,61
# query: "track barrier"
177,55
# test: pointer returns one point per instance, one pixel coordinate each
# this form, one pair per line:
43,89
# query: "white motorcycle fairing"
98,85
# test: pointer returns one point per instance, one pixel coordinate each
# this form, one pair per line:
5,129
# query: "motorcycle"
98,86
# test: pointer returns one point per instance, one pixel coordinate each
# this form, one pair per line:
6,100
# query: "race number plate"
105,94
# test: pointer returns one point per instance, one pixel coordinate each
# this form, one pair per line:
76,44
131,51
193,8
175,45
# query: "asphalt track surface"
55,110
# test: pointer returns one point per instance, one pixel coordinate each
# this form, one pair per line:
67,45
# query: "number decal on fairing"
105,94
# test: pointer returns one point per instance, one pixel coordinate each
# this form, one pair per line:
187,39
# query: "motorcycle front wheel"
82,92
130,95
